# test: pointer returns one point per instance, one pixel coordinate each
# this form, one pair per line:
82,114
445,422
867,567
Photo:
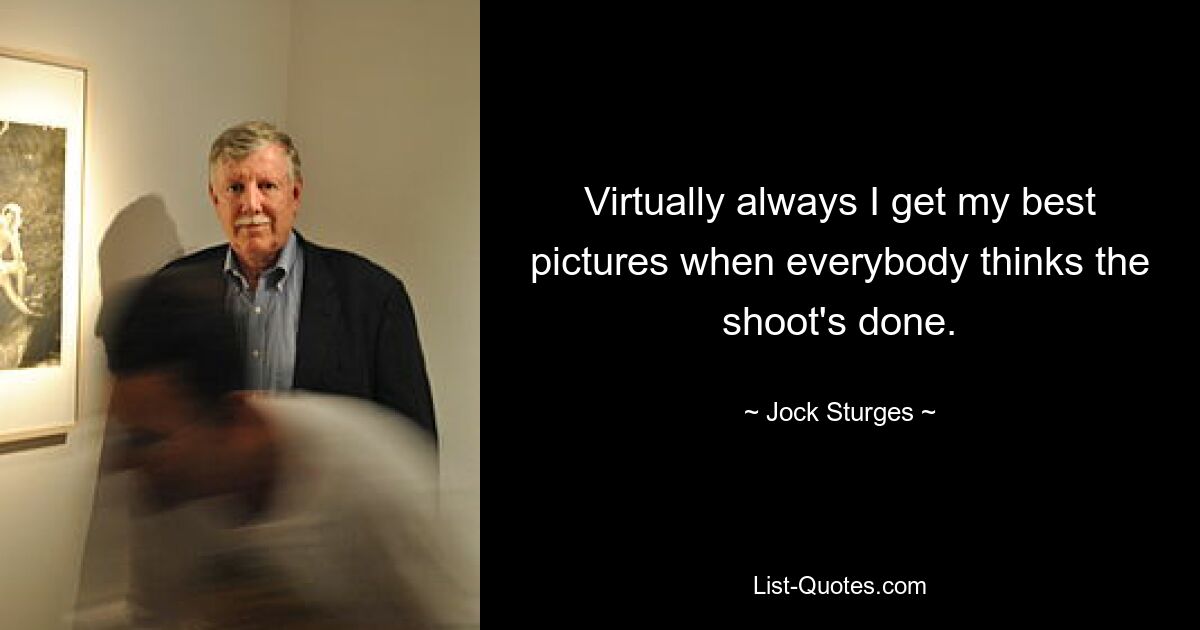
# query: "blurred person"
310,317
260,510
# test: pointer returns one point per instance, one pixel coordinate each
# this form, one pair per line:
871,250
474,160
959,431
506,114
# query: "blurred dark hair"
176,320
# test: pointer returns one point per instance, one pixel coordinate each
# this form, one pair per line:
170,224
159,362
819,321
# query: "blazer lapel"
315,354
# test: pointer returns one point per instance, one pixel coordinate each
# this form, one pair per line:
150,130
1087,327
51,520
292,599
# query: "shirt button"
254,353
258,310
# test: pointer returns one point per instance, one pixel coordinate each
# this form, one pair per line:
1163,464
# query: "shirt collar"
273,275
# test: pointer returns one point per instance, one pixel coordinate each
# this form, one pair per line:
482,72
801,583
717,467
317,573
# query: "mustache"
254,219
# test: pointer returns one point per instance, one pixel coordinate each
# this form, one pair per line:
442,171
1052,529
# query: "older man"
309,317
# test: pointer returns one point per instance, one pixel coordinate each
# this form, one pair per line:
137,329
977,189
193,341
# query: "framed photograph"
43,103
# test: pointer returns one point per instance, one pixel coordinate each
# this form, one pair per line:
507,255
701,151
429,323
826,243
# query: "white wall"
165,76
384,100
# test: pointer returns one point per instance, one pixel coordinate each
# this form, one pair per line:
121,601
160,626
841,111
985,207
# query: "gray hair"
239,141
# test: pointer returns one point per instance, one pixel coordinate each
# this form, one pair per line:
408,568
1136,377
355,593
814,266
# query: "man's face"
256,201
179,457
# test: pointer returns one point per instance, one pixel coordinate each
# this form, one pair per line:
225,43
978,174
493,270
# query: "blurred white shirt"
353,536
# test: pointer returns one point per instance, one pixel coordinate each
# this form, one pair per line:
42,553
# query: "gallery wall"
164,78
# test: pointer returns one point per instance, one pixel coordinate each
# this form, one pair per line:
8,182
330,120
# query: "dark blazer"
358,333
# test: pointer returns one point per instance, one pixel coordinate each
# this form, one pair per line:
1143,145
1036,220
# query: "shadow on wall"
141,239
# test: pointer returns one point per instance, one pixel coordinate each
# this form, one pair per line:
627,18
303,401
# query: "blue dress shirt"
268,318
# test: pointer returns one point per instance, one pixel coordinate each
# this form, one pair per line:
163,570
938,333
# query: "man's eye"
235,188
135,439
268,186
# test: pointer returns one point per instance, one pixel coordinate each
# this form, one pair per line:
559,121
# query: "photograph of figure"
32,168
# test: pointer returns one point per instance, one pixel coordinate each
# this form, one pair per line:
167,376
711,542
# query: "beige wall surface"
383,98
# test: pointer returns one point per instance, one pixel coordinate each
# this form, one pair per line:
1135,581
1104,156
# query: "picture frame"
43,113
